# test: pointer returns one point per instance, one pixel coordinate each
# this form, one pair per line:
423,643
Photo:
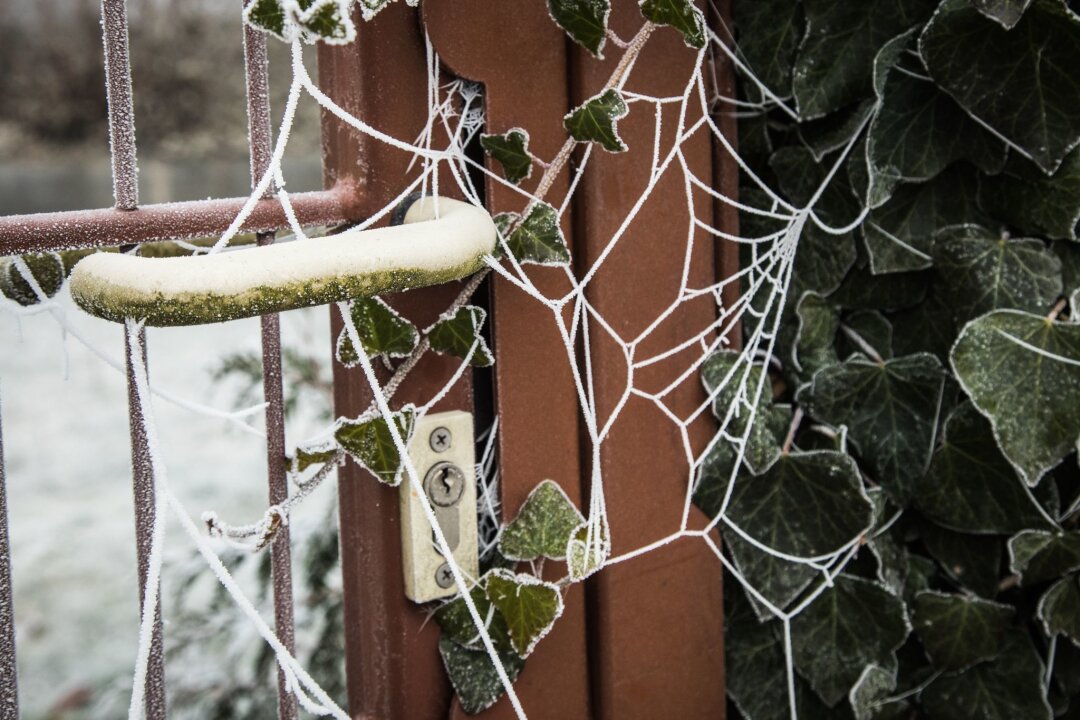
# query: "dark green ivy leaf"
542,527
959,630
866,328
893,291
381,329
972,561
1005,12
1008,688
814,347
529,606
367,440
769,34
891,410
474,678
457,334
539,239
853,624
679,14
317,455
1035,203
1018,81
503,223
779,581
456,622
596,120
1037,556
1023,372
926,327
854,31
1059,608
310,20
874,685
511,149
724,373
47,269
971,487
585,21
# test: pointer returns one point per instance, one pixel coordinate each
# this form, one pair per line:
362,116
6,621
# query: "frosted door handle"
424,250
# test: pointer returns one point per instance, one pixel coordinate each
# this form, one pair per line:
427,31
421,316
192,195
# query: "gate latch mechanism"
442,452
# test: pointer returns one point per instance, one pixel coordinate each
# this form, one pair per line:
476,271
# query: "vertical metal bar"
9,679
259,142
145,516
121,107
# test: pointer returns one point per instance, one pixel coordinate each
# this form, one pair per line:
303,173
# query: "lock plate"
442,451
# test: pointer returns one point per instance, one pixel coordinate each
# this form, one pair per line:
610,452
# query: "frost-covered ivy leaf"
1018,81
778,580
973,561
984,271
1069,254
368,441
893,563
47,269
769,34
970,486
306,457
869,327
899,235
1005,12
529,606
826,135
457,334
542,527
309,20
854,31
503,223
584,554
456,622
1034,203
1059,608
926,327
1007,688
596,120
269,16
585,21
1037,556
1022,371
474,677
815,335
894,291
874,685
511,149
381,329
891,410
762,445
853,624
807,505
959,630
679,14
539,239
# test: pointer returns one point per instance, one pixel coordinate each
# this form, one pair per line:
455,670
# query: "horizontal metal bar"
43,232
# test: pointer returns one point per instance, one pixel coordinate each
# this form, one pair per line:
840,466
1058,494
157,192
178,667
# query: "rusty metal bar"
9,679
169,221
257,73
121,108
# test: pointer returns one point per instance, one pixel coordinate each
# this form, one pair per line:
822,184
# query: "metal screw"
445,484
444,578
440,439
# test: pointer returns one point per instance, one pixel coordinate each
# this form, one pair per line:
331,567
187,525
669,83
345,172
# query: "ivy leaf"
542,527
815,335
926,327
1037,556
583,558
808,504
1035,203
368,442
769,34
1059,608
984,271
474,678
457,624
539,239
1005,12
268,16
503,223
305,457
874,685
47,269
894,291
595,120
585,21
762,445
972,561
869,327
511,149
892,412
852,624
1018,81
1023,373
529,606
779,581
959,630
971,487
1007,688
457,334
679,14
381,329
309,20
854,31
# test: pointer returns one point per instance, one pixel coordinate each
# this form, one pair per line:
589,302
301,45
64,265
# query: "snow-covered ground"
65,432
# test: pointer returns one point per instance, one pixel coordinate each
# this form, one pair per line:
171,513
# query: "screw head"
444,577
441,439
445,484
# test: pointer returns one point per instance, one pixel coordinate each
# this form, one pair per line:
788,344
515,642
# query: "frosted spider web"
765,278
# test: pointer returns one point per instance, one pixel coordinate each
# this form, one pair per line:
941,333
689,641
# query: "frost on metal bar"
441,240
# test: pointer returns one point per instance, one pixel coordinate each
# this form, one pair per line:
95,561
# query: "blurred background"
64,410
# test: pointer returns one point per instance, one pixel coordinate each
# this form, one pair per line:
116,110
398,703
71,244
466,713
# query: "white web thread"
768,271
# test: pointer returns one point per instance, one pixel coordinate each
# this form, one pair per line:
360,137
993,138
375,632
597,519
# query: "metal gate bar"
9,686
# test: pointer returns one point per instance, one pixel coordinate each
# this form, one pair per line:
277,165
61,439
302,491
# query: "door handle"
440,240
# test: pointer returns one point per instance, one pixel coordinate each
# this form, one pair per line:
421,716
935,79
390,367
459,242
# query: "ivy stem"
862,344
1056,310
793,428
